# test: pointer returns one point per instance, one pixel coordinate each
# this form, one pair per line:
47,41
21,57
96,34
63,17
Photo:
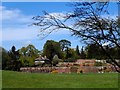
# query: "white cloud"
27,33
19,34
57,15
106,43
13,16
15,25
9,14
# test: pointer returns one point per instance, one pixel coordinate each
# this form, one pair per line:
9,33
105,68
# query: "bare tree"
89,22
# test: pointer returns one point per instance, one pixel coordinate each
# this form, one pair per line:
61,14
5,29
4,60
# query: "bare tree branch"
87,23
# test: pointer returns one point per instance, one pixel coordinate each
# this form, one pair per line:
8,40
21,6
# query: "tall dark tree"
52,48
4,58
13,53
77,50
13,49
82,54
70,55
93,51
64,44
87,24
117,53
13,63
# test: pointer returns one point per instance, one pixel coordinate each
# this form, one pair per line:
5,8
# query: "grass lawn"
12,79
0,79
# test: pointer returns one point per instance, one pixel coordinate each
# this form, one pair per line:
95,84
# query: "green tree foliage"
64,44
70,55
82,54
98,64
12,60
52,48
55,60
93,51
4,57
113,51
28,55
117,53
77,52
13,53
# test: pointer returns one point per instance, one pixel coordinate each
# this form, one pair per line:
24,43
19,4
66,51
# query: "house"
42,60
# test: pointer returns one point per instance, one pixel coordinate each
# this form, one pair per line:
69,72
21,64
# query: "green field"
12,79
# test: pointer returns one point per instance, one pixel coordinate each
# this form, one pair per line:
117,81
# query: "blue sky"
16,18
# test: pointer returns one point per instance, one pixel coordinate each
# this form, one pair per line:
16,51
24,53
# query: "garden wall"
59,69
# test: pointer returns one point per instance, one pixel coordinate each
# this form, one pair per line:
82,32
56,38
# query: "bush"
81,71
56,60
54,71
98,64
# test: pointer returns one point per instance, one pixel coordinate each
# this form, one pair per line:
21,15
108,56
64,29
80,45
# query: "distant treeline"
54,51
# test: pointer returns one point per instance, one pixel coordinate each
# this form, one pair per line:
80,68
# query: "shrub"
54,71
56,60
81,71
98,64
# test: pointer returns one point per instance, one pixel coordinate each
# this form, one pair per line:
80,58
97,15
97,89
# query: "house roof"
41,59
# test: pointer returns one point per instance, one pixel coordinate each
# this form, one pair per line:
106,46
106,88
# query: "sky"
16,28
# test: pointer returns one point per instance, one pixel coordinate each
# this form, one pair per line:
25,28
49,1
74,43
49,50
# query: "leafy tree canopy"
52,48
64,44
28,55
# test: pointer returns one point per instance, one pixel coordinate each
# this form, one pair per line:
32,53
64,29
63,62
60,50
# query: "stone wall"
59,69
45,69
71,69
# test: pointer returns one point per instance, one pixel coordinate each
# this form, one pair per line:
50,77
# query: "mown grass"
0,79
12,79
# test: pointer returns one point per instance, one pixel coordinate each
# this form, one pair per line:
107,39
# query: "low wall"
59,69
72,69
45,69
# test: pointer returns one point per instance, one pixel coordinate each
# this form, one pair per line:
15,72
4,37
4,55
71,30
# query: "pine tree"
77,50
82,54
